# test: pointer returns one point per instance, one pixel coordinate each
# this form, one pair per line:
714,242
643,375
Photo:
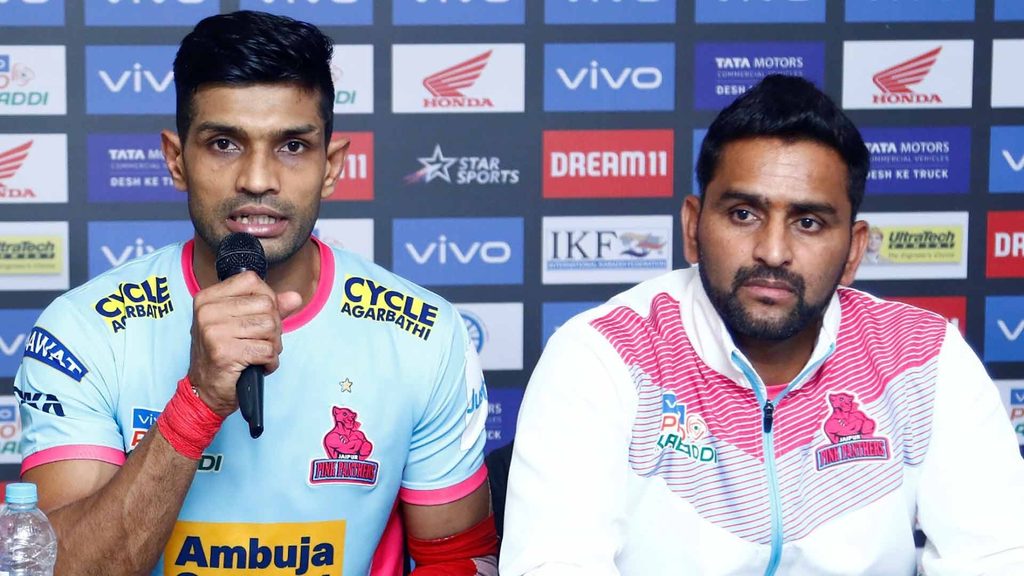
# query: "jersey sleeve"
565,507
445,461
65,390
970,498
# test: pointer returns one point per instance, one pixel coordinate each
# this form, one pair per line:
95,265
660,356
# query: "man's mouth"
261,219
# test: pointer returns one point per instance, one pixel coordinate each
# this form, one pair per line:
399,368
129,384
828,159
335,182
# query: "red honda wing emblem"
899,78
449,82
11,160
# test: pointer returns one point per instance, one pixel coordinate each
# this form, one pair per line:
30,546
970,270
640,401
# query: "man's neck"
300,273
780,361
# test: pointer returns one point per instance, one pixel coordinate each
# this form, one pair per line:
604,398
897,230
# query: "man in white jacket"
752,415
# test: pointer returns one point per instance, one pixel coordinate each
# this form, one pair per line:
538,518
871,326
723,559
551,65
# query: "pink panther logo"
851,434
846,422
348,450
346,440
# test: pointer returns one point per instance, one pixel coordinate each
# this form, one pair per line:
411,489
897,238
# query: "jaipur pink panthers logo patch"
348,450
851,433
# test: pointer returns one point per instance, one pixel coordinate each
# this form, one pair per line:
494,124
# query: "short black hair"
245,48
792,109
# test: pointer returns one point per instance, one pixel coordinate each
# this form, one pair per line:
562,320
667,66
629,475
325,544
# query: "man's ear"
174,158
337,150
858,244
689,215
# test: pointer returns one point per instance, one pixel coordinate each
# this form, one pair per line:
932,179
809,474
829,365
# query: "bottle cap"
21,493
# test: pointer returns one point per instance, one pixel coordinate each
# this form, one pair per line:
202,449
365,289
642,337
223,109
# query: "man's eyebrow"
762,201
758,200
238,131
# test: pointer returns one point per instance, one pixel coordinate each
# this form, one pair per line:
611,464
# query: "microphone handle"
249,389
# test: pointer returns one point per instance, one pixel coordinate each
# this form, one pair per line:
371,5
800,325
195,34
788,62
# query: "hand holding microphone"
236,331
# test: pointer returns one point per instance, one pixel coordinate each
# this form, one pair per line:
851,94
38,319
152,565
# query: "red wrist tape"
453,555
187,422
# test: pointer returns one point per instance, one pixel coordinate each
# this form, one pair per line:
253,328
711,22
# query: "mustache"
761,272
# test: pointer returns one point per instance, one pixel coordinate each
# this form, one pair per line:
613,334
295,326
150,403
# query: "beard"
740,322
281,249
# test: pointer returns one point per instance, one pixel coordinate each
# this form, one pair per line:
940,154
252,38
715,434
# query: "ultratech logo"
446,86
922,240
468,170
608,163
895,82
150,298
30,255
277,549
365,298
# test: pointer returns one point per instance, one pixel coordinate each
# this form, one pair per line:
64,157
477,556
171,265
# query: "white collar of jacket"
713,343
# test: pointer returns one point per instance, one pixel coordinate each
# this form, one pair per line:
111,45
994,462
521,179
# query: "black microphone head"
238,252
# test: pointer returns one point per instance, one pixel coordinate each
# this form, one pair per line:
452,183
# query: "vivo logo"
185,2
2,2
13,347
1015,165
1011,334
309,1
130,252
596,76
136,76
490,252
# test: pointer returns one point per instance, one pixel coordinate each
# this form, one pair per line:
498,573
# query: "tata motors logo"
1006,159
453,12
605,249
750,11
148,12
502,413
1005,255
458,78
32,81
32,12
914,245
496,332
952,308
112,244
320,12
129,79
908,74
609,12
129,168
33,168
352,73
608,77
919,160
608,163
15,326
1007,83
909,10
467,170
33,256
356,180
458,251
727,70
1004,329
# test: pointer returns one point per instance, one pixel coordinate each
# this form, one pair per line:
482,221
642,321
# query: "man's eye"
222,144
295,146
742,215
809,224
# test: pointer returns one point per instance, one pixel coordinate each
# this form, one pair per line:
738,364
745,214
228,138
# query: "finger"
288,303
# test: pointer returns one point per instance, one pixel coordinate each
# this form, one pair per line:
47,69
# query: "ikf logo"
496,331
554,314
129,168
112,244
15,326
605,249
32,81
919,160
458,78
356,180
33,168
1004,329
148,12
952,308
1009,10
608,163
1007,85
1005,254
321,12
1006,159
609,12
33,256
352,234
909,10
749,11
725,71
352,72
32,12
454,12
129,79
908,74
607,77
458,251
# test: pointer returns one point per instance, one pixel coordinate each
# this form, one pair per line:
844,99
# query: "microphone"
239,252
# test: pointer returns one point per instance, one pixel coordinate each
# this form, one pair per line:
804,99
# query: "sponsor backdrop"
527,160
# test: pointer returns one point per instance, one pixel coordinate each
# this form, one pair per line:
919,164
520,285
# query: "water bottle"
28,545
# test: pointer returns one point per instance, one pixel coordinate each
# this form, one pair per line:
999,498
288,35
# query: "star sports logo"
446,86
461,170
895,82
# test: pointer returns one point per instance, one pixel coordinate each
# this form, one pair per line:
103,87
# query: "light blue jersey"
379,397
